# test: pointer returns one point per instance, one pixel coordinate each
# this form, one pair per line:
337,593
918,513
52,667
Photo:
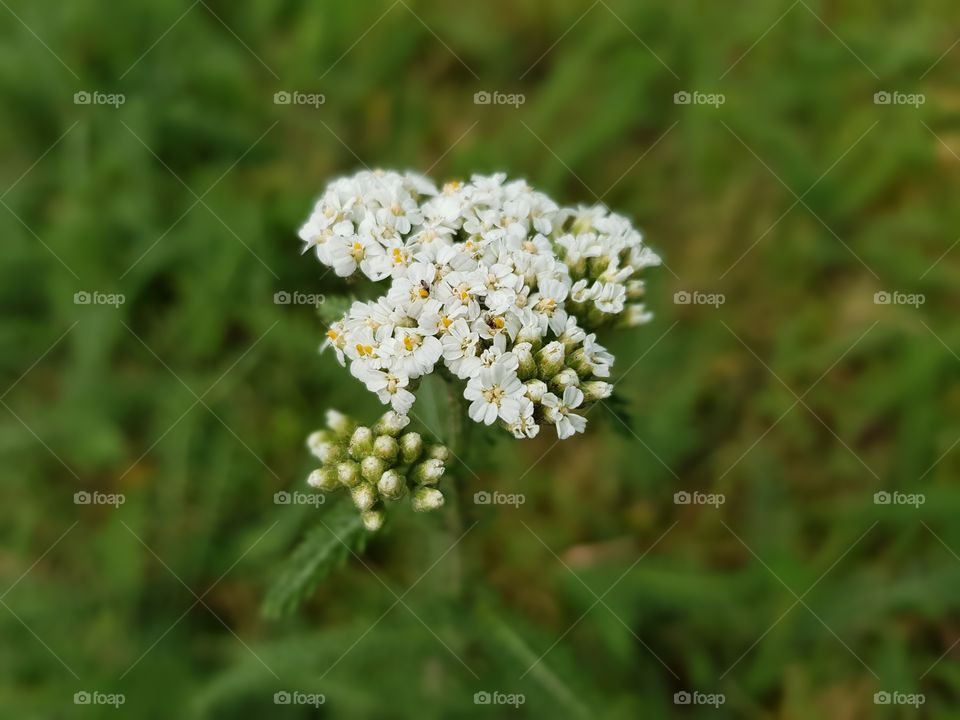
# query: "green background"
798,398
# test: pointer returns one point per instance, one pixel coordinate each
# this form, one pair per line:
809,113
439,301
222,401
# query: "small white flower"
337,339
391,388
460,348
415,352
524,425
350,252
611,298
412,291
548,304
560,412
494,392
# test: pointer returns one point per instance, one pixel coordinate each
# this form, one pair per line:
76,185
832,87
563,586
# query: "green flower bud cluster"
377,464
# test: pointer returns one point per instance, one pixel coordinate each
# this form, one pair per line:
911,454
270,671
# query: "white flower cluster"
491,281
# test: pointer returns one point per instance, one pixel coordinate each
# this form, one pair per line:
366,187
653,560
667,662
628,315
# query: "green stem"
461,507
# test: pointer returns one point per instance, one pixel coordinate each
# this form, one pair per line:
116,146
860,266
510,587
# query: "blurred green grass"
113,404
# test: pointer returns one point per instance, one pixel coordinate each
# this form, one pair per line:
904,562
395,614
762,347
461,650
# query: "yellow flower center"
493,395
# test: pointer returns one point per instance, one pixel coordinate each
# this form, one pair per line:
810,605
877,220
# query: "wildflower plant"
490,284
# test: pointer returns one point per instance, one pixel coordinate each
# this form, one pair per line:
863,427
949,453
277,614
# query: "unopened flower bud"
535,390
578,361
425,499
386,448
372,467
373,519
340,423
636,315
572,338
328,452
391,423
428,472
348,473
636,289
320,436
439,452
562,380
364,496
411,447
392,484
594,390
596,266
361,443
324,478
530,335
581,224
550,359
527,367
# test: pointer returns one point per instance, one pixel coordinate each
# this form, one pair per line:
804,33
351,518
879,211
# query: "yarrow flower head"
488,281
